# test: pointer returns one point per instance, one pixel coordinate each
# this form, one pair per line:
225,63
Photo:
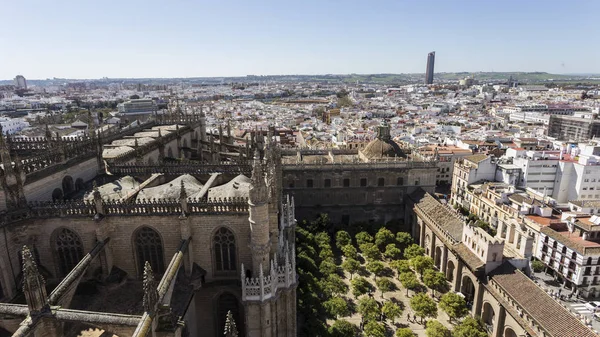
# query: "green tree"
370,251
391,310
384,284
343,328
421,263
409,281
423,306
392,252
327,267
322,239
368,308
383,237
404,239
363,237
361,286
337,307
374,329
334,285
342,238
351,266
375,267
326,254
454,305
469,327
400,266
435,280
537,266
350,252
436,329
404,332
413,250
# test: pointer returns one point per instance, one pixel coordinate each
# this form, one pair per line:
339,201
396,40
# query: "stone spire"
258,188
230,327
150,292
183,200
34,285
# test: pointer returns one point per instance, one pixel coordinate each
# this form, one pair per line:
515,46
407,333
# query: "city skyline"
154,40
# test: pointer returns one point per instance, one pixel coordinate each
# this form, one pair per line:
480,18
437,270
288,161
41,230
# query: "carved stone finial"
182,193
150,292
230,327
34,285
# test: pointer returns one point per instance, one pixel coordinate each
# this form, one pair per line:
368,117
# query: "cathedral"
154,229
163,228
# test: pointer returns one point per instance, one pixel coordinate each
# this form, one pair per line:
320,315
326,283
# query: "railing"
265,287
181,168
45,210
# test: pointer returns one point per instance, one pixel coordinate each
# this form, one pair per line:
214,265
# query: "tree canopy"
435,280
363,237
343,328
384,284
376,267
342,238
351,266
436,329
404,239
409,281
413,250
423,306
368,308
350,252
421,263
370,251
469,327
392,251
374,329
384,237
391,310
337,307
454,305
361,286
404,332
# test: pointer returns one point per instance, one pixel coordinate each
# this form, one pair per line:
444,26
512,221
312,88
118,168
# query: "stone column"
499,323
444,259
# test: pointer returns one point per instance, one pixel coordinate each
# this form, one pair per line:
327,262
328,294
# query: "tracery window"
224,250
69,250
148,247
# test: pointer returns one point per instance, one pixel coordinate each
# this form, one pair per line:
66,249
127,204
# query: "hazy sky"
130,38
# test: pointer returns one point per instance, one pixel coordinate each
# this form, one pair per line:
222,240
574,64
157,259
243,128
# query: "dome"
379,148
382,146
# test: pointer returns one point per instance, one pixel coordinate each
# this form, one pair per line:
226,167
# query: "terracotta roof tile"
534,301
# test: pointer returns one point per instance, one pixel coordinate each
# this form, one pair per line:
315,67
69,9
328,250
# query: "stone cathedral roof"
172,189
237,187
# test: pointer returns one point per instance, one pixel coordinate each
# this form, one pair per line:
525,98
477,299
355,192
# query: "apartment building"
468,170
570,248
445,156
573,128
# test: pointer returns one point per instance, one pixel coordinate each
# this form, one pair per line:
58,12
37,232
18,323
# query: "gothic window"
327,183
148,247
380,181
309,183
224,250
363,182
69,250
346,182
400,181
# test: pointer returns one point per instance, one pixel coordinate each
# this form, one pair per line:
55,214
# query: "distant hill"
389,79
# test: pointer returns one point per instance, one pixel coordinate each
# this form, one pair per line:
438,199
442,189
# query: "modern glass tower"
429,70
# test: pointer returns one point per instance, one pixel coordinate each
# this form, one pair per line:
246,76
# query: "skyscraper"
20,82
429,70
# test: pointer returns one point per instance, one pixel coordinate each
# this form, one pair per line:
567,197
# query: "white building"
12,125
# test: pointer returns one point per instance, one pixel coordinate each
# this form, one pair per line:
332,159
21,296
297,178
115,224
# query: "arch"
67,185
488,316
467,288
57,194
79,184
509,332
224,250
68,249
438,257
228,302
450,271
148,247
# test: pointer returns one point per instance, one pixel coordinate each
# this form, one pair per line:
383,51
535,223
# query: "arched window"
224,248
148,247
69,250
